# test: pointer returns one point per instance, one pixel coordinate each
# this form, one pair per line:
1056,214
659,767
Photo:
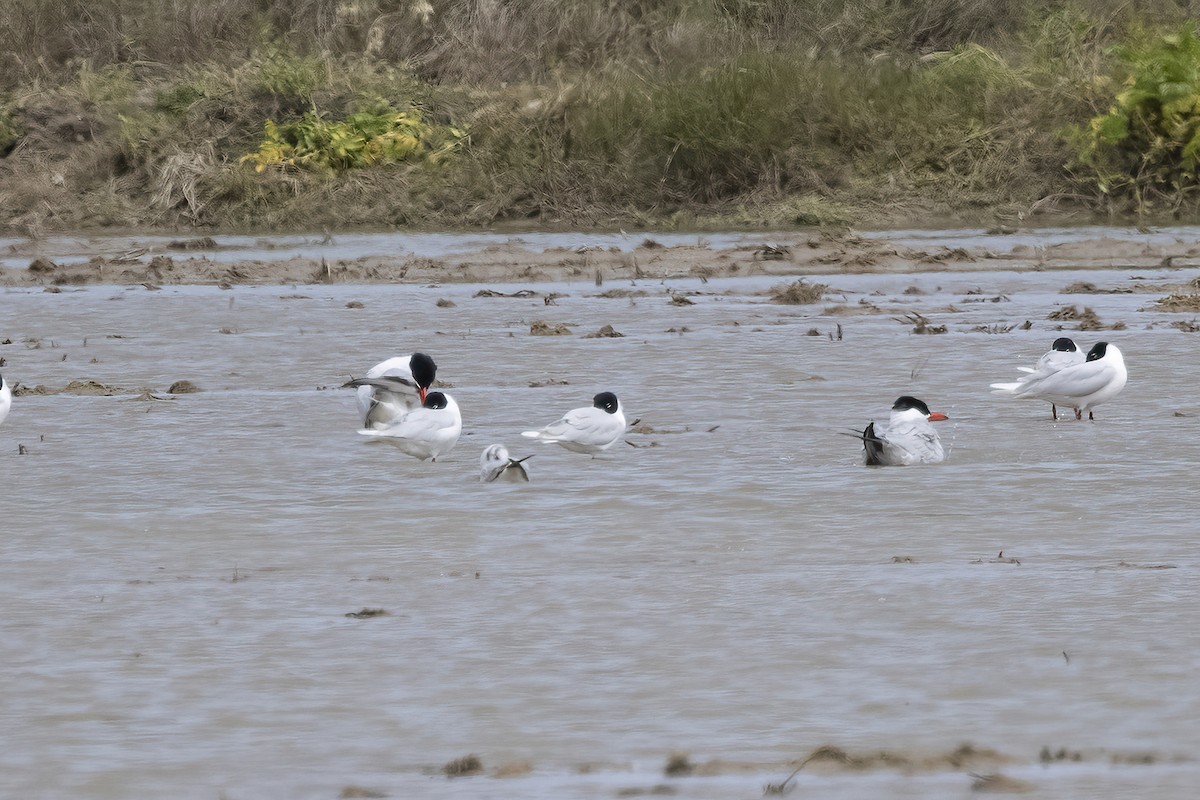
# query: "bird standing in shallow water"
1063,353
908,437
426,432
1100,378
590,429
393,388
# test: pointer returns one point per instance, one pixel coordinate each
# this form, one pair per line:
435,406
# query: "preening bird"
496,464
426,432
1063,353
393,388
1100,378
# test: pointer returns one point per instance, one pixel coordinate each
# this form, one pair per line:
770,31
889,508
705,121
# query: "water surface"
177,573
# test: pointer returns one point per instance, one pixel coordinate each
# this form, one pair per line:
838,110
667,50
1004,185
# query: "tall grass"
578,110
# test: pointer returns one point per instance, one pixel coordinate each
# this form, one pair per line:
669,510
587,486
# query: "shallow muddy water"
735,587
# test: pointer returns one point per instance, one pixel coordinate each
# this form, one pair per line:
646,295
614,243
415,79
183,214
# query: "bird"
426,432
392,388
1099,378
1063,353
590,429
496,464
907,439
5,398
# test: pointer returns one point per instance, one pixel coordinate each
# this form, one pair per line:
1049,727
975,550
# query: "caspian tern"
1063,353
5,398
426,432
586,430
908,437
1100,378
496,464
393,388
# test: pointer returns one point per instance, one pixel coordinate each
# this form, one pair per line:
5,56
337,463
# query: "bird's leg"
1090,417
1078,414
1054,411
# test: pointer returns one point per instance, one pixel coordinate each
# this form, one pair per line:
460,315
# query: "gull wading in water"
1100,378
1063,353
426,432
496,464
586,430
907,439
5,398
393,388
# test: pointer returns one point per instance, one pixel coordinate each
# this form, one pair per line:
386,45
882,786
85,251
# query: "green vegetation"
1148,143
368,138
648,112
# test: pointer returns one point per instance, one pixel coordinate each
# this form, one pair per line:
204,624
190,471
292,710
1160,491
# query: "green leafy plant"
381,135
1148,143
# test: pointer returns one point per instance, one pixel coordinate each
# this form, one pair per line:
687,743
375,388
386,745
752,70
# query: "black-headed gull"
908,437
1063,353
586,430
5,398
1100,378
426,432
496,464
393,388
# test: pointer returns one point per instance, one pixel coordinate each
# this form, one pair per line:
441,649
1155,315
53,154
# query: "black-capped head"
1064,345
904,403
423,370
435,400
1098,351
606,401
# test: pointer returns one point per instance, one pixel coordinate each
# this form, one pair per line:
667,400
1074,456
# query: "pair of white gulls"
397,407
1064,376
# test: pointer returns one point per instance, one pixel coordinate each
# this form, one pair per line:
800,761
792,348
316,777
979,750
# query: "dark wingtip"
872,445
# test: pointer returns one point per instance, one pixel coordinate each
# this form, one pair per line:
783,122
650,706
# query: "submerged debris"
1180,301
920,323
467,765
798,293
678,764
540,327
367,613
607,332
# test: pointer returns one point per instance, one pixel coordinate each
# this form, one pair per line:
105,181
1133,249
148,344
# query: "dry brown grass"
798,293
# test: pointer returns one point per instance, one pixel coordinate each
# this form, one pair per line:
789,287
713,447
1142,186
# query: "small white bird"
496,464
393,388
426,432
908,437
1100,378
5,398
586,430
1063,353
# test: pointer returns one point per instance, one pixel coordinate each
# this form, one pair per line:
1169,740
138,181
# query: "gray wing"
588,426
421,424
1077,381
915,443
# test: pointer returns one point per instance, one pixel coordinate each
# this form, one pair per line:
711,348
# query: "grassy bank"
141,113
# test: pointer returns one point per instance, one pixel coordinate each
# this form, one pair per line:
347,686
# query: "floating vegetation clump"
799,293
